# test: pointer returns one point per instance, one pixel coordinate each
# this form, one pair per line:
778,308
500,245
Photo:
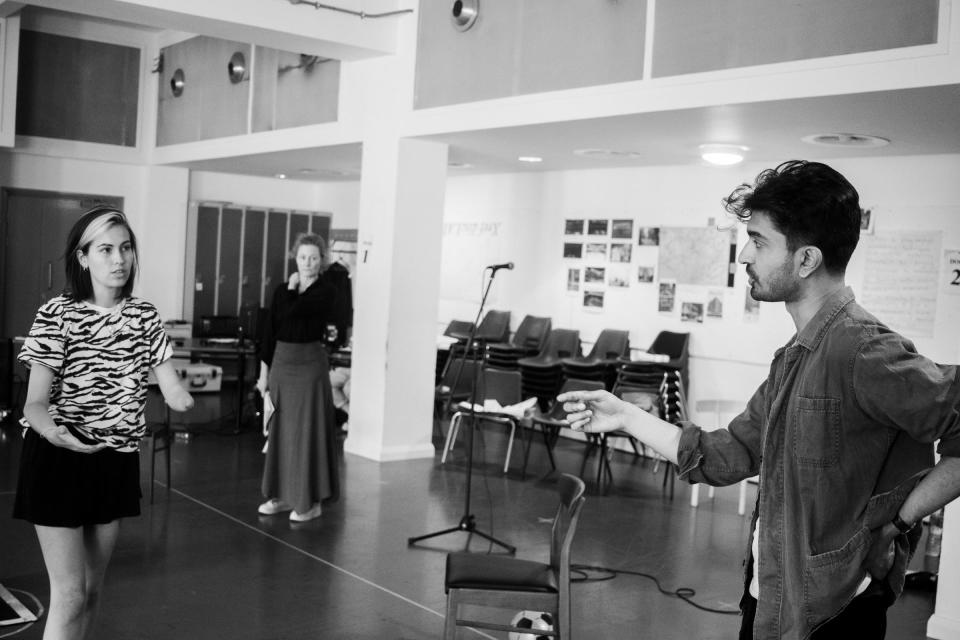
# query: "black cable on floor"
684,593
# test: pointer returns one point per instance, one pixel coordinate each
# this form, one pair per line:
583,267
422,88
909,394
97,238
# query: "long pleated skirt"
301,466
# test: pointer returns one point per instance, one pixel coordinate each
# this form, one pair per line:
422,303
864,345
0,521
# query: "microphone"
497,267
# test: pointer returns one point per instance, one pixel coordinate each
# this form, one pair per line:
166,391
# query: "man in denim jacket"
841,432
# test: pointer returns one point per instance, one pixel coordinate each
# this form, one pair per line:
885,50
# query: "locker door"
251,278
205,285
275,268
228,275
320,225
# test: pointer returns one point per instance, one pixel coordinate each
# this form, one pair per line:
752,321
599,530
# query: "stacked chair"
459,327
551,423
527,341
603,360
495,327
542,374
495,384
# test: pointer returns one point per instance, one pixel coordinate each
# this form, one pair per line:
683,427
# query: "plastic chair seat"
499,573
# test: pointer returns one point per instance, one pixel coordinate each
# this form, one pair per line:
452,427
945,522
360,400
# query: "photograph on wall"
573,227
649,236
715,303
572,250
594,275
593,300
751,308
618,276
645,273
598,227
596,251
622,229
620,251
573,279
668,296
691,312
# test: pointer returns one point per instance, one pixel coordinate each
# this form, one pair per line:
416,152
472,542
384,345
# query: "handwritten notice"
900,281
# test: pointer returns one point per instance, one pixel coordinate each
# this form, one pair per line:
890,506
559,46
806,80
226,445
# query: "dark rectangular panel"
205,282
228,289
276,263
320,225
299,223
705,35
251,278
73,89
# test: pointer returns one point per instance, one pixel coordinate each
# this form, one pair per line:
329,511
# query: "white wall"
729,356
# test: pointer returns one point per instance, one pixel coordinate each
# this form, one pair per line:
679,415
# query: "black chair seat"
499,573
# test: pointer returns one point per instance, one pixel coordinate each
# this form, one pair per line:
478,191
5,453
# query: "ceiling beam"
278,24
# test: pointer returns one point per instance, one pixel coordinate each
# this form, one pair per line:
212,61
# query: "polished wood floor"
201,563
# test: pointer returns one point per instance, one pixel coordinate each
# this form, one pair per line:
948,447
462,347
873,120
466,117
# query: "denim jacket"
840,432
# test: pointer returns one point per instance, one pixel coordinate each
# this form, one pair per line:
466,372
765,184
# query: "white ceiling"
916,121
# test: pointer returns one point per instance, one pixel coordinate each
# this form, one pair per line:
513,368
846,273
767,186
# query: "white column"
395,309
944,624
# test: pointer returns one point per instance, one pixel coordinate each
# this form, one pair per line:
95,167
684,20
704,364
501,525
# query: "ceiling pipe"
359,14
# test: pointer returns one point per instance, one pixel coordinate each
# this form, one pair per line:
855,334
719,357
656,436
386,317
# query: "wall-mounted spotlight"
464,13
177,82
237,68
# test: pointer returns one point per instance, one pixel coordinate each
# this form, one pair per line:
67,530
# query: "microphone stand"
468,523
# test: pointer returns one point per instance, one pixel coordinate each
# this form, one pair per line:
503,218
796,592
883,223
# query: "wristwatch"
902,526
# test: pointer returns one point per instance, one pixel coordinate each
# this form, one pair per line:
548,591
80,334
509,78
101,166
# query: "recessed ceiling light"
860,140
280,176
722,155
306,171
612,154
459,165
530,159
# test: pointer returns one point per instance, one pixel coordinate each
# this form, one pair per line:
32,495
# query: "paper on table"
492,406
268,410
646,356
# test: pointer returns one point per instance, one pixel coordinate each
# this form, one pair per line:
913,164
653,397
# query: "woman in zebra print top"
89,353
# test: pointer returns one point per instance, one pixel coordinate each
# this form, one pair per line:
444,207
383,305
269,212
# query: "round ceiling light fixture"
464,13
530,159
859,140
723,155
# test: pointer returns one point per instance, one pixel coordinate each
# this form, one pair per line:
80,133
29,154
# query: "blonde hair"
312,240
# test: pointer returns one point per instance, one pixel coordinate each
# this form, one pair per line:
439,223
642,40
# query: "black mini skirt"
57,487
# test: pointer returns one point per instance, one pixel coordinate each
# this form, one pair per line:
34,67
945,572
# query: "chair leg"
450,623
513,430
549,443
451,437
528,444
695,495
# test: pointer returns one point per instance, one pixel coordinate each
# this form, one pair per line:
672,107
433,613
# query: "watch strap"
902,526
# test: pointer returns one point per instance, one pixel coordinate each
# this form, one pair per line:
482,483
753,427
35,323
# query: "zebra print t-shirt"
100,359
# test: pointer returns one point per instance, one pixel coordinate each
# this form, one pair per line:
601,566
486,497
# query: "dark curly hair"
808,202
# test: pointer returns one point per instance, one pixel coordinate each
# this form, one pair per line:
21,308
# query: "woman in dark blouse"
300,470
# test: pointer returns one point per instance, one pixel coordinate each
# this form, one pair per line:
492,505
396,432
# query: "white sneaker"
310,514
273,506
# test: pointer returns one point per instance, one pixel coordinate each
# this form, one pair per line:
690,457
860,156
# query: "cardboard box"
195,377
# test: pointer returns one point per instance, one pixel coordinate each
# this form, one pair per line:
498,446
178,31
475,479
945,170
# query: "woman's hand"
294,282
594,411
61,437
179,399
882,551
